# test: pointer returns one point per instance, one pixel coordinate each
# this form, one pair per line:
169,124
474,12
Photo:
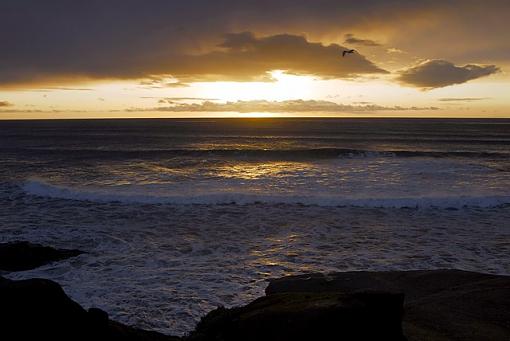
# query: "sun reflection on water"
251,171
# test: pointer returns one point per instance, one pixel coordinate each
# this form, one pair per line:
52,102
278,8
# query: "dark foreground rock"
38,309
21,256
307,316
439,305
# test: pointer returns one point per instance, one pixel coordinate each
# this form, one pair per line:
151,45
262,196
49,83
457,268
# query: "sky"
202,58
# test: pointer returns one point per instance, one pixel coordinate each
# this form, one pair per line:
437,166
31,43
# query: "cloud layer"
463,99
432,74
61,41
4,104
245,57
351,39
294,106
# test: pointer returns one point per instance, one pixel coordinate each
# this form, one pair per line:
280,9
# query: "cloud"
4,104
40,111
463,99
295,106
68,89
161,81
394,50
60,42
54,88
245,57
437,73
179,99
351,39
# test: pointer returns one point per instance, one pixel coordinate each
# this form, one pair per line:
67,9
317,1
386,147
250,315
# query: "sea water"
179,216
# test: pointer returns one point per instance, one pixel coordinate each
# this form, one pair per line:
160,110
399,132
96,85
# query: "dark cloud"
4,104
351,39
463,99
162,81
245,57
440,73
60,41
55,42
295,106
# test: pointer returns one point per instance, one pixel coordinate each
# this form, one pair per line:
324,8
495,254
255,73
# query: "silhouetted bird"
347,51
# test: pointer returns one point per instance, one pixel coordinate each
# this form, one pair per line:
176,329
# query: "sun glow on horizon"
135,99
259,115
284,87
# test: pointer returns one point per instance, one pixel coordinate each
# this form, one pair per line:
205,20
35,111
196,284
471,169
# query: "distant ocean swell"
136,195
262,154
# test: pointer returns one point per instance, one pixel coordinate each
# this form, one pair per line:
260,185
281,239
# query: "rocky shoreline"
21,256
439,304
400,305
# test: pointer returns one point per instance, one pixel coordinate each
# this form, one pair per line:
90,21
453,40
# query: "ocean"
179,216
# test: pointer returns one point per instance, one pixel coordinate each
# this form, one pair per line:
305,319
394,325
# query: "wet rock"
21,256
307,316
439,305
38,309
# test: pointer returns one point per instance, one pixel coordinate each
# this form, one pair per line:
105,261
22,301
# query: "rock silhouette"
21,256
38,309
307,316
439,305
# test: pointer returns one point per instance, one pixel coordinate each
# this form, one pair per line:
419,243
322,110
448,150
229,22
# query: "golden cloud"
295,106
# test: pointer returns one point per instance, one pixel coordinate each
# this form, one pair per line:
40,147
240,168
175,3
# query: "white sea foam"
158,195
162,267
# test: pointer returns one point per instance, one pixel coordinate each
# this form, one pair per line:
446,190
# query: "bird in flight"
347,51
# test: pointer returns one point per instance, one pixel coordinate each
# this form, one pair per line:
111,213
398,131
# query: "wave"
43,189
264,154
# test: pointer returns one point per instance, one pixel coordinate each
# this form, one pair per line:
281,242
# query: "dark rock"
38,309
440,304
21,256
307,316
98,317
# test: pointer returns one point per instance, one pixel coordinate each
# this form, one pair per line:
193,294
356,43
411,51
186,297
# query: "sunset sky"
198,58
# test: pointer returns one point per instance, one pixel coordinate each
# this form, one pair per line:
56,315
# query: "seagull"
347,51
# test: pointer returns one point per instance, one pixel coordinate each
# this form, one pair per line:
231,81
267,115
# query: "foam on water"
135,194
163,266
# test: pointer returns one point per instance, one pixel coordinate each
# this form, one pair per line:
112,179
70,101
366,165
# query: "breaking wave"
140,195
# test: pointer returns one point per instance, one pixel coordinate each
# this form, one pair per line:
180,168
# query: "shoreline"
175,264
438,305
425,304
